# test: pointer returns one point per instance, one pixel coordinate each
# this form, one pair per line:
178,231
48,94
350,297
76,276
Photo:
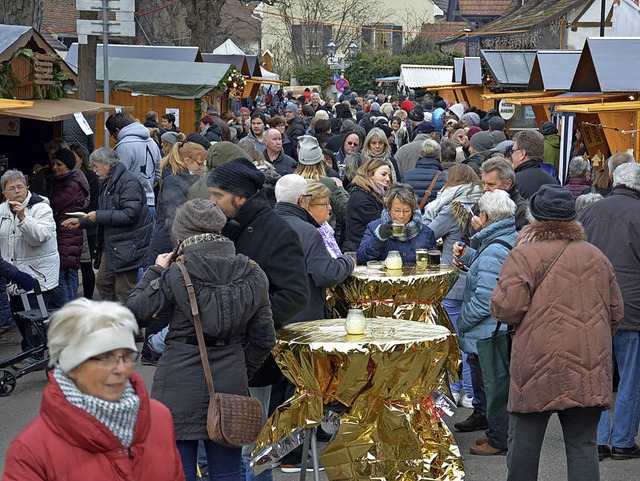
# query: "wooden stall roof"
15,104
554,69
56,110
510,68
472,71
628,106
454,87
458,66
566,99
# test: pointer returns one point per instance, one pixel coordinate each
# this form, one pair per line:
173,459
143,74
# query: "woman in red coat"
96,420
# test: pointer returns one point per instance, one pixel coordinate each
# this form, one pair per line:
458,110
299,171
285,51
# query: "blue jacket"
475,321
420,177
372,248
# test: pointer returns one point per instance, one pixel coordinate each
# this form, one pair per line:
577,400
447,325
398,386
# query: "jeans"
626,414
453,306
498,421
68,283
526,434
223,462
262,394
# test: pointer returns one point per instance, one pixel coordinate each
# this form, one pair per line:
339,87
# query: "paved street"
18,409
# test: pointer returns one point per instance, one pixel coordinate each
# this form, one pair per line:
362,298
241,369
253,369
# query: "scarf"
411,228
461,193
119,417
327,233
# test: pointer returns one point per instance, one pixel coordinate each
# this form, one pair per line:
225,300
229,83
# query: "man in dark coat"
428,165
526,155
407,156
124,226
274,153
612,225
263,236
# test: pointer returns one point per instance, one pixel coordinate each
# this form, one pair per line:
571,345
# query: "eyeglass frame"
107,360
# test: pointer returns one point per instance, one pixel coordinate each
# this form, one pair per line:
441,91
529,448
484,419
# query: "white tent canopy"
228,48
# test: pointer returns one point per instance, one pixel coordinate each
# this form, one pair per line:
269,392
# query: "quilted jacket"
561,353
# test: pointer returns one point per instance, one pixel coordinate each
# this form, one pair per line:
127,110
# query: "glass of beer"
422,258
434,259
398,229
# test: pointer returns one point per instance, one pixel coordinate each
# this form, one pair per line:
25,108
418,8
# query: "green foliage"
367,67
318,73
8,81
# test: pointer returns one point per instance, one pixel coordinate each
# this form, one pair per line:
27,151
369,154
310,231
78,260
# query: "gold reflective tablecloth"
414,295
385,378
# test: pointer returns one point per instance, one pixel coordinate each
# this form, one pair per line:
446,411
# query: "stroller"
37,320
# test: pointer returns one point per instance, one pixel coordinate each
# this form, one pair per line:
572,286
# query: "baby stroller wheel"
7,382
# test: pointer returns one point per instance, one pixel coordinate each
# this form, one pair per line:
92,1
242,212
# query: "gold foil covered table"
385,377
414,295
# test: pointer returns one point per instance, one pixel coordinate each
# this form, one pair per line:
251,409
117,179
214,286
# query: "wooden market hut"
468,85
31,69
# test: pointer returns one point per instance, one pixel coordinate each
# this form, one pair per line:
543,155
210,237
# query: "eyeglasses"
401,212
111,360
354,144
512,151
327,205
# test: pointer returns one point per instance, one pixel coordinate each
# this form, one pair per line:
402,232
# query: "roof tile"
483,7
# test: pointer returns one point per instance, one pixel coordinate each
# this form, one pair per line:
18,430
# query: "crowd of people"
268,209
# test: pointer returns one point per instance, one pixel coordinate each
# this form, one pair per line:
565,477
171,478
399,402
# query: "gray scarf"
119,417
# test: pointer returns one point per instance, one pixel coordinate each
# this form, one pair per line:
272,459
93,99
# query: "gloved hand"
384,232
24,281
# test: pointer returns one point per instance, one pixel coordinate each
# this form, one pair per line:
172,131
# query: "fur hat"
238,176
66,157
310,152
552,202
197,216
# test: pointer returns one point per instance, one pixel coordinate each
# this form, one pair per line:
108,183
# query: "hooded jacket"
31,244
322,270
408,155
475,321
140,155
561,350
420,178
552,150
67,443
233,298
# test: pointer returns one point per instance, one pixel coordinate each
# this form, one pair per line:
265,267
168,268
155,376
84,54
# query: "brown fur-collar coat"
561,353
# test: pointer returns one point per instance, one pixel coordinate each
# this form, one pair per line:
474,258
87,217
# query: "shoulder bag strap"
198,325
428,191
551,265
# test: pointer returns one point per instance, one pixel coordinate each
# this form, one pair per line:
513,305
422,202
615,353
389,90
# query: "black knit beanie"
66,157
238,176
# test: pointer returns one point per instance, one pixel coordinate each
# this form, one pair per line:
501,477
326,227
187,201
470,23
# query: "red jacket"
66,443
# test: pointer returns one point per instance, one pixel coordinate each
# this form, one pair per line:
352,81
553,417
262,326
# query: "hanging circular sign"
342,84
506,110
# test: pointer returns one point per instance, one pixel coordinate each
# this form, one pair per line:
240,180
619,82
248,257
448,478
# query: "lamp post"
337,62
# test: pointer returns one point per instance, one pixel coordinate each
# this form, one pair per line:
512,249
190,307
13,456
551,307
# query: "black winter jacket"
530,177
420,178
265,237
124,222
362,208
322,270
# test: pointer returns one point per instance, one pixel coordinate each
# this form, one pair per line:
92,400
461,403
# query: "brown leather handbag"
232,420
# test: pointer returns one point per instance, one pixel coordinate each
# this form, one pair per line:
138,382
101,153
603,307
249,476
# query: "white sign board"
175,112
82,122
95,5
116,29
506,110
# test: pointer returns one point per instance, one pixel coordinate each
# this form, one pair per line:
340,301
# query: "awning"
472,71
180,80
519,95
56,110
388,79
565,99
510,68
423,76
632,105
554,69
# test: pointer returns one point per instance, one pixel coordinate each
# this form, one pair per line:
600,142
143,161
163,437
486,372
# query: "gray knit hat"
482,141
197,216
310,152
293,107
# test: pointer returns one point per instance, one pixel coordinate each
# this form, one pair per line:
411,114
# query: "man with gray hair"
612,224
427,168
526,156
322,270
274,153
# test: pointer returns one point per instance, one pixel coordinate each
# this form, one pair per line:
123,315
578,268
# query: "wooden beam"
567,99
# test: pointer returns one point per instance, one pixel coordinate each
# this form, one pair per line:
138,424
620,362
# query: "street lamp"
331,49
353,49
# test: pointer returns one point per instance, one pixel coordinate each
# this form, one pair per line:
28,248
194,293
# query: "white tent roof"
228,48
415,76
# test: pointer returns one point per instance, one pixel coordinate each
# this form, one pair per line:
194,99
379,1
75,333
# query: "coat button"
249,230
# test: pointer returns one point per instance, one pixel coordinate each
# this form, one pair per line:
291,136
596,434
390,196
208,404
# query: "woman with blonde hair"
367,191
169,139
376,146
182,168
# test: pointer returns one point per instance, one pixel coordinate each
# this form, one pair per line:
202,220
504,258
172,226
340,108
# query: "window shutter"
297,44
396,39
